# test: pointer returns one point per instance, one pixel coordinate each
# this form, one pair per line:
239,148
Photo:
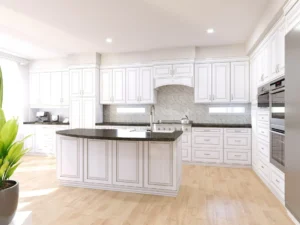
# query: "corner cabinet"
112,86
139,86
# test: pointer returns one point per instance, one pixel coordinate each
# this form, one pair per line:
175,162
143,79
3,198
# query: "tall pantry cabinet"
85,110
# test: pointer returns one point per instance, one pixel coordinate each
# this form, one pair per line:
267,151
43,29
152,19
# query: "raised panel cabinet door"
186,153
88,112
88,82
146,85
75,82
221,82
56,87
128,163
70,158
106,85
119,86
240,82
273,48
159,165
183,70
281,49
132,86
163,71
98,161
203,83
253,81
29,142
45,88
34,85
65,88
75,113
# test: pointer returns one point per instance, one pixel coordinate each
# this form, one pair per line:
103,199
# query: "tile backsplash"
173,103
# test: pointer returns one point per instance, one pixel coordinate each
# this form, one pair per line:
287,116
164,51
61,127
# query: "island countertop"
120,135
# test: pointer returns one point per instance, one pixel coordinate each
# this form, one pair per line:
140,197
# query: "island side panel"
160,165
177,145
98,161
69,158
128,163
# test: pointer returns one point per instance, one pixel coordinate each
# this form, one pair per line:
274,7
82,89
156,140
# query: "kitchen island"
118,160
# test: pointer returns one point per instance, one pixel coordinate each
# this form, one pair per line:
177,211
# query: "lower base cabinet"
207,155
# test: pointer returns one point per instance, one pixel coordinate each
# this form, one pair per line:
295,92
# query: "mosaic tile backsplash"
173,103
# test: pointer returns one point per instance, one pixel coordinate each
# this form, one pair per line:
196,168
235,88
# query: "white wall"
271,15
189,53
225,51
64,63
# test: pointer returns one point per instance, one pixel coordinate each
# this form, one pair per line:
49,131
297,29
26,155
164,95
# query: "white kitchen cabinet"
82,112
253,80
128,163
139,86
278,51
240,82
163,71
70,159
34,87
30,141
83,82
98,161
119,85
112,83
221,82
203,83
45,88
60,88
44,139
157,174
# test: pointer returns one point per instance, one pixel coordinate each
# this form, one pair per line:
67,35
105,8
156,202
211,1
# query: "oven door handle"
277,90
281,134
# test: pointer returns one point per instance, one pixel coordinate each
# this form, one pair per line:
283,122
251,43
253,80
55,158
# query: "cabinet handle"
231,96
238,141
206,139
237,155
206,154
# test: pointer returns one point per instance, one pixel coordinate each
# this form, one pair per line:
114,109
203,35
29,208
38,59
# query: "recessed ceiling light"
108,40
210,30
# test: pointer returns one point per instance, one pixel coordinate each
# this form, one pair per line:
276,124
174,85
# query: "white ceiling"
42,28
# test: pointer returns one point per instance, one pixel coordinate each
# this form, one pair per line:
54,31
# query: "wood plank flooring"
208,196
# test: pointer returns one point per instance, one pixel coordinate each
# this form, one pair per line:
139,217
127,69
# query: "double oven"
273,96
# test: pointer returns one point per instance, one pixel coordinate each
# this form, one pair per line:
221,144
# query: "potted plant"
11,152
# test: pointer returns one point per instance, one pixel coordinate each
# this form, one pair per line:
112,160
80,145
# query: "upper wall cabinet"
82,82
221,82
176,74
49,89
139,86
212,82
112,86
239,82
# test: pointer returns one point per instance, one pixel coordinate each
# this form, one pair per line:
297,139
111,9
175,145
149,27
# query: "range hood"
184,80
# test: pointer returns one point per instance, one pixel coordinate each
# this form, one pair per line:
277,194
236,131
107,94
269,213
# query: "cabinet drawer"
263,133
208,130
207,140
186,139
264,170
277,181
263,117
186,153
237,157
237,131
206,155
237,142
264,149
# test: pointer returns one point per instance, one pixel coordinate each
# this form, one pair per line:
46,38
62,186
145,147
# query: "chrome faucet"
152,112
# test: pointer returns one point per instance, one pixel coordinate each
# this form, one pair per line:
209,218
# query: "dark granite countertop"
46,123
221,125
123,124
120,135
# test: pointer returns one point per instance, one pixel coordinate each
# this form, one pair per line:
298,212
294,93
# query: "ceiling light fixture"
210,31
108,40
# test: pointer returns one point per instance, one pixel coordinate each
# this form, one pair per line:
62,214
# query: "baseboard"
216,164
295,221
168,193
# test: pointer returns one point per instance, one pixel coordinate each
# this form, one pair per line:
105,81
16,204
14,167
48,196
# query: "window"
130,110
226,110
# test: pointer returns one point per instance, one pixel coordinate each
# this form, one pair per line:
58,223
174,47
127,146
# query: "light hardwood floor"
208,196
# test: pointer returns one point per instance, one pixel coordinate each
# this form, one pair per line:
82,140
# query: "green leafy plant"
11,151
